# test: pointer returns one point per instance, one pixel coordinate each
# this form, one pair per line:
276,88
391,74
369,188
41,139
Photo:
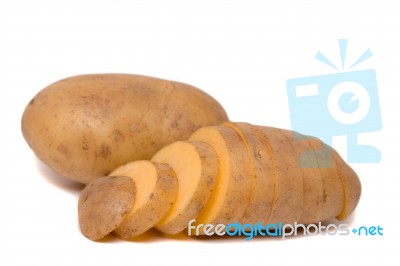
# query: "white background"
242,53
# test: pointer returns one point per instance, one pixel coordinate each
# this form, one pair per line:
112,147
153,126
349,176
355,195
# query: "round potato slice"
262,173
231,195
157,188
196,167
104,204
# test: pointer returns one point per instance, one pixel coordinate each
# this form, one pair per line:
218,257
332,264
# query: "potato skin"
85,126
104,204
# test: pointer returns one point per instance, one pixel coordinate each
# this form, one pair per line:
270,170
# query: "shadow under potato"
57,180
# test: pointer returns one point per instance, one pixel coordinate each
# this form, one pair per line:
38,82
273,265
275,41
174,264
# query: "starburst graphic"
345,103
343,51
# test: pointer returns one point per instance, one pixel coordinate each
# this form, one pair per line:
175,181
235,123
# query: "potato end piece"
104,204
157,190
196,167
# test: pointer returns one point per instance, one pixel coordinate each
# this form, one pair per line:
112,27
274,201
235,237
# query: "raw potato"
104,204
312,180
196,167
332,187
231,195
85,126
261,196
288,196
157,188
235,172
351,186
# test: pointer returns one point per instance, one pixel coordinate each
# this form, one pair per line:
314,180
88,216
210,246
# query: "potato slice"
288,195
333,191
231,195
312,181
351,186
104,204
157,188
196,167
262,173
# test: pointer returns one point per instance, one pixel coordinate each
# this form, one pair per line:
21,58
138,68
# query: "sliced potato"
157,188
312,181
332,188
196,167
104,204
288,195
261,196
351,185
231,195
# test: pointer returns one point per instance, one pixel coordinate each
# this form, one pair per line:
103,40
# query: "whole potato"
85,126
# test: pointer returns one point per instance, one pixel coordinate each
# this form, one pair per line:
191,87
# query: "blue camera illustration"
344,103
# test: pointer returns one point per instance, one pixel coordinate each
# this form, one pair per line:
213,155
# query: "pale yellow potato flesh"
157,188
231,195
196,168
262,192
288,199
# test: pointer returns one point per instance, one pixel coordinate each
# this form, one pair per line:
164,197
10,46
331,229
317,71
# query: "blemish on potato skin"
174,124
324,196
85,145
61,148
118,136
56,161
210,182
105,151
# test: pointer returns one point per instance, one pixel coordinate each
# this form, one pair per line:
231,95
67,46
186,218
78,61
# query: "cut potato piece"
312,182
231,195
157,188
262,173
332,188
104,204
351,185
196,167
288,196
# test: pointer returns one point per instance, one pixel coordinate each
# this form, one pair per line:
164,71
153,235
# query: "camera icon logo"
344,103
